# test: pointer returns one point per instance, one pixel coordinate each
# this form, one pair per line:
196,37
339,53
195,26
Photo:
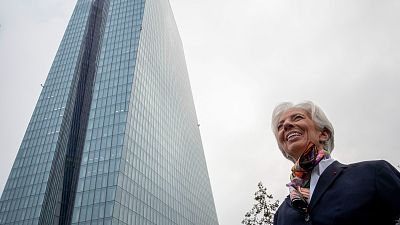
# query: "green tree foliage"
263,210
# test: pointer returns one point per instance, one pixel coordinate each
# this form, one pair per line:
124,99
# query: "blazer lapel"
325,180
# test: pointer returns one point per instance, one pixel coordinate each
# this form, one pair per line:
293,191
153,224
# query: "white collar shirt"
316,173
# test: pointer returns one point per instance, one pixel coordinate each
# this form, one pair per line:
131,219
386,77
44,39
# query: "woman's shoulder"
376,165
366,171
370,163
376,170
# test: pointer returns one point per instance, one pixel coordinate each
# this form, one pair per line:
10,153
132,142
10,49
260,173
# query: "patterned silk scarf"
299,185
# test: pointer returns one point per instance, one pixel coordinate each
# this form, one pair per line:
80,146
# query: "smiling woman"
308,111
296,130
320,187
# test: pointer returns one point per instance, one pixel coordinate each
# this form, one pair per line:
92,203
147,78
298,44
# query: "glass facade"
114,137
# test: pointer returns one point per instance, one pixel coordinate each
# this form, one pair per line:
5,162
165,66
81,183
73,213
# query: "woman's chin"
296,149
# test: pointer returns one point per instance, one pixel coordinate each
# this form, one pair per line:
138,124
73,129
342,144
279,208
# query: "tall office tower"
114,137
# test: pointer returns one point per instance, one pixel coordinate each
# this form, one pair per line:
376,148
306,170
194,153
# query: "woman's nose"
287,125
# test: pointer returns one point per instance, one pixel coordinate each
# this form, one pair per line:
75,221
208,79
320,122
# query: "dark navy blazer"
365,193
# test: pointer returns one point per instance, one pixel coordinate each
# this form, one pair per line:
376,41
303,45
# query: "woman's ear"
324,135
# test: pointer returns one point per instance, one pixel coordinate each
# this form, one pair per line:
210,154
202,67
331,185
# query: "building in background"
114,137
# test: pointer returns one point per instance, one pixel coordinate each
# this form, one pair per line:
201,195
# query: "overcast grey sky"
243,57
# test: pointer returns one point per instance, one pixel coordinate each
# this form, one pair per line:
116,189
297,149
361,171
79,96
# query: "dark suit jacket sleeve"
388,189
276,217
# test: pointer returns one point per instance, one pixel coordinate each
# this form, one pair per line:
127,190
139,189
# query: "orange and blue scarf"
300,177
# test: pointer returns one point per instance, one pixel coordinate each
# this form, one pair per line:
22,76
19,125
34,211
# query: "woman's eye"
298,117
279,126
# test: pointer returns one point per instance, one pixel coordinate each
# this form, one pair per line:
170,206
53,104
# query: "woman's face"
296,130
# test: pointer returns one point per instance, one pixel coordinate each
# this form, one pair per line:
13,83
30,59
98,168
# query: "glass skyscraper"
114,137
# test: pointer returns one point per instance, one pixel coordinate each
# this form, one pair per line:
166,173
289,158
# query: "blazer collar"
331,173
